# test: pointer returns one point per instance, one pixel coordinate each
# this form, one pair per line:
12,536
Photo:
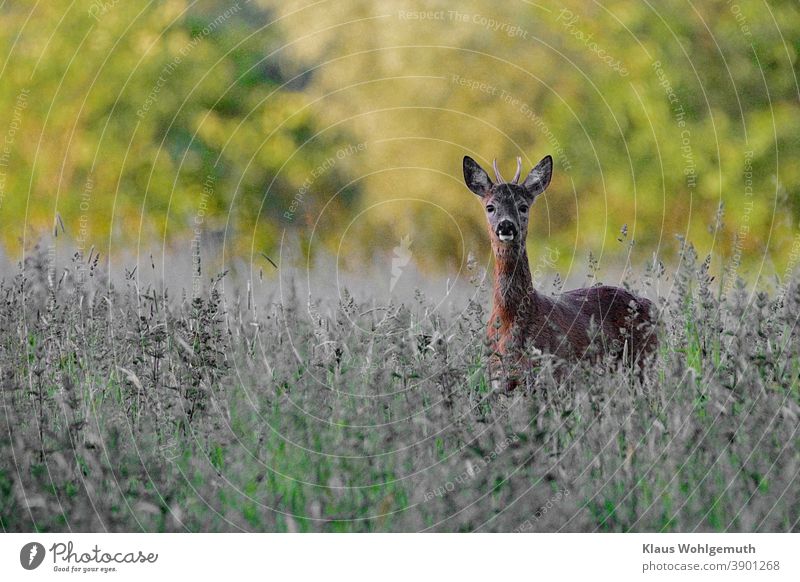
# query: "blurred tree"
347,122
655,115
148,122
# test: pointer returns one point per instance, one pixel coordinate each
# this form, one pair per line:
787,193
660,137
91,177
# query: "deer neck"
513,286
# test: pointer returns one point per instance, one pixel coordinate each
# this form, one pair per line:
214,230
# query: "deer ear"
539,178
477,180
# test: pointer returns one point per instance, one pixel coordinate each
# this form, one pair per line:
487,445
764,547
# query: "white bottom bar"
355,557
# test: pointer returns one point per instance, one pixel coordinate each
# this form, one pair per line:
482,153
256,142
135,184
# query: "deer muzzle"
506,231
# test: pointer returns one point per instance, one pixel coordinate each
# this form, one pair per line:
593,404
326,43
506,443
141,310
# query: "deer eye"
490,208
523,209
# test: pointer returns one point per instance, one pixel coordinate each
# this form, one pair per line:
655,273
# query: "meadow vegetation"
138,409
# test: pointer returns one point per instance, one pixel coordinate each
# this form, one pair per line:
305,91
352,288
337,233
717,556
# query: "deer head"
507,204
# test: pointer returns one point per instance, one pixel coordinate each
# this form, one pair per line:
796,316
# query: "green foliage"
149,122
348,121
684,109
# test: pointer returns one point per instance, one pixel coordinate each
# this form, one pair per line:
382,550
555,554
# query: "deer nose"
506,231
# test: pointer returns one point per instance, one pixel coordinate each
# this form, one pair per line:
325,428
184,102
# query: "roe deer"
619,323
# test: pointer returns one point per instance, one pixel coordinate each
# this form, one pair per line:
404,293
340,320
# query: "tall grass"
129,409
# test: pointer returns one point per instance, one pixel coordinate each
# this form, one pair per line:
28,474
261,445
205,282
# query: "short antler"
497,172
519,169
500,179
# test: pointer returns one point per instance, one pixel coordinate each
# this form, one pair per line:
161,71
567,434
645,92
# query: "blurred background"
311,129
